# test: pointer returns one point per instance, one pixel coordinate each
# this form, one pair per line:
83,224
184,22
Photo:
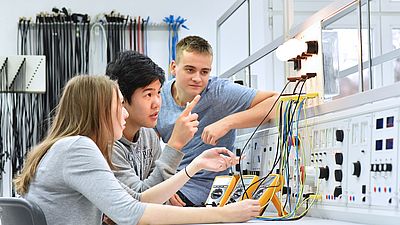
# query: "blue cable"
173,37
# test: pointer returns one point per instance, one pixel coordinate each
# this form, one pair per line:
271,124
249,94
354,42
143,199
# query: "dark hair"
133,70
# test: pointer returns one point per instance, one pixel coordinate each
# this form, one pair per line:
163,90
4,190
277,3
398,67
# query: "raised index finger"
191,105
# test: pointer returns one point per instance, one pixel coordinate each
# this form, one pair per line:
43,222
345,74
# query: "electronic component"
221,190
238,192
267,190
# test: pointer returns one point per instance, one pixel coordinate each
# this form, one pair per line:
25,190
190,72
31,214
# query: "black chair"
18,211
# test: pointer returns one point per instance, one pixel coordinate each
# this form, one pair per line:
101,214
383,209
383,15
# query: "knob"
339,158
217,193
238,193
357,169
339,135
388,167
378,168
337,192
258,194
324,173
364,189
338,175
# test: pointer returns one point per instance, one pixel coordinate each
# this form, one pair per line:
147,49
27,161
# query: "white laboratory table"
303,221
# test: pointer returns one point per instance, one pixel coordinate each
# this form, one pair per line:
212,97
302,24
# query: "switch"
238,193
372,168
339,158
363,199
388,167
337,192
339,135
238,151
237,167
338,175
357,169
377,168
364,189
324,173
217,193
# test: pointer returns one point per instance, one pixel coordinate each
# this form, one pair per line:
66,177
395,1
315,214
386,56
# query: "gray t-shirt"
74,185
141,164
219,99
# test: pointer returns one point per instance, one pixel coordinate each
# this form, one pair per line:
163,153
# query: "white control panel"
351,157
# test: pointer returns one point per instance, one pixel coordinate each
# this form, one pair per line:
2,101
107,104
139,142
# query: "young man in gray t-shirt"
138,159
223,107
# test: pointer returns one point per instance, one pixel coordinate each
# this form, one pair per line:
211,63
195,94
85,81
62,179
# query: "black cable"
134,35
276,160
251,136
87,46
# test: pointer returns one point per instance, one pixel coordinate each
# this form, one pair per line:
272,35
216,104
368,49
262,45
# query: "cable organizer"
23,73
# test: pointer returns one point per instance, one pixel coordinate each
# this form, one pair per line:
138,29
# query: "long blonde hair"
84,109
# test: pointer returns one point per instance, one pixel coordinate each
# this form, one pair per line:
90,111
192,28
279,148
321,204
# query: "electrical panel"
384,158
350,160
268,150
358,163
245,150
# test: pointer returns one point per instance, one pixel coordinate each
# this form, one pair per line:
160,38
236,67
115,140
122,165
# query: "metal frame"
355,100
220,21
374,61
34,75
327,15
323,15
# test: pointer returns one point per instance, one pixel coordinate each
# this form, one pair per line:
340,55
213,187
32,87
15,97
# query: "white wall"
201,18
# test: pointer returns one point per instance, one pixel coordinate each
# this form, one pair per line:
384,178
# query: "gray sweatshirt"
74,185
141,164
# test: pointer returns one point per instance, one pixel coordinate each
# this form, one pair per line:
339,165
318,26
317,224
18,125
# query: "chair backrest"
18,211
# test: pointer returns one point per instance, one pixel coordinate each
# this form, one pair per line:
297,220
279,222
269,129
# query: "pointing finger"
191,105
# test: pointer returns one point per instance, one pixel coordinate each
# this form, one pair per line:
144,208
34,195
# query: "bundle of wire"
173,38
288,146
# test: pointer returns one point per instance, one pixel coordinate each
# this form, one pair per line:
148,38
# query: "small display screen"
247,181
390,121
378,145
379,123
389,143
222,181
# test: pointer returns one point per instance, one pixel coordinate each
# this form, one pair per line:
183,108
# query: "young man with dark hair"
223,108
140,163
